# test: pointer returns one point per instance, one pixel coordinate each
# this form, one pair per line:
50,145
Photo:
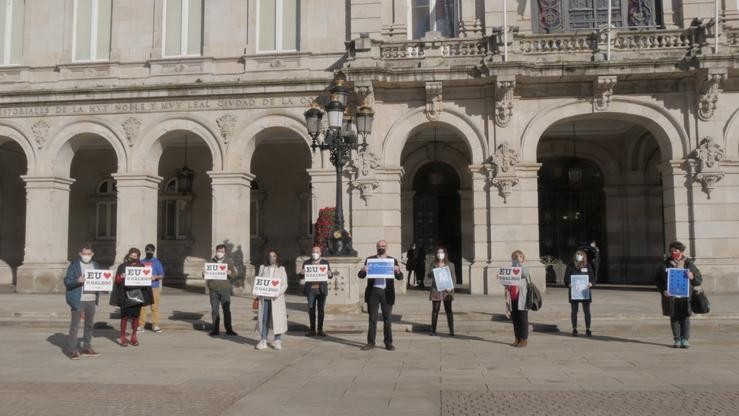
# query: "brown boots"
521,342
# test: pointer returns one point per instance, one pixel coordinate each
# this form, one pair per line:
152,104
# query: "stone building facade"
499,125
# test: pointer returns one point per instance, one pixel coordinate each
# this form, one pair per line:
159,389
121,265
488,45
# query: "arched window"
175,212
105,209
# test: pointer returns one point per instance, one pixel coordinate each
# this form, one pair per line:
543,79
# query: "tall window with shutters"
92,24
432,16
183,28
278,25
12,13
105,210
571,15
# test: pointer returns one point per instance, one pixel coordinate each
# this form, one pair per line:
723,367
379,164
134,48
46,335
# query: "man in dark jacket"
82,303
316,292
380,293
220,294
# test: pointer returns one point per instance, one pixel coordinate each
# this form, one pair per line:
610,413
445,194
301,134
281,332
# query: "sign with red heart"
138,276
215,271
98,281
510,276
315,273
266,287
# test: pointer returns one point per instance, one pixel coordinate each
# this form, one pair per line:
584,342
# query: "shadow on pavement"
608,338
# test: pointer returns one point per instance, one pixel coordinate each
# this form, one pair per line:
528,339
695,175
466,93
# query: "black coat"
572,269
389,283
673,307
324,285
118,295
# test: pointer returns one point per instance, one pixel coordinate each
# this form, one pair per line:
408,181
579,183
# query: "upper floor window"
105,210
431,16
183,27
92,20
277,25
571,15
11,35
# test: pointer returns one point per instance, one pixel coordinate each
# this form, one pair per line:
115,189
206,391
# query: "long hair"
266,258
446,255
584,261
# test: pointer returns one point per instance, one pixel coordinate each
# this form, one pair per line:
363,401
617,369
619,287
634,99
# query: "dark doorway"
571,209
437,212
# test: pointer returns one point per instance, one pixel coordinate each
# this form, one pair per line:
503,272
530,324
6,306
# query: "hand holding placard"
98,281
316,272
138,276
510,276
215,271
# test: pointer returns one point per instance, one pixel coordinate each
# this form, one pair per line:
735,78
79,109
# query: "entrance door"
436,212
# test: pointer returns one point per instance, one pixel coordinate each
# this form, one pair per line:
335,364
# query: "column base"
482,279
41,278
345,290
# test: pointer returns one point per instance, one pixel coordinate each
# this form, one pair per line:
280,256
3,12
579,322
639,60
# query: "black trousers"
573,313
377,299
316,300
520,319
436,306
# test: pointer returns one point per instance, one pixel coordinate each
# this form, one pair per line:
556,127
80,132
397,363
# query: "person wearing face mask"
678,309
219,292
515,299
380,293
446,296
316,292
157,274
272,311
580,265
81,303
122,294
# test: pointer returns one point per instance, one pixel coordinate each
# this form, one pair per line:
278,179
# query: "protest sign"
138,276
315,272
510,276
380,268
579,289
98,281
266,287
215,271
443,277
678,284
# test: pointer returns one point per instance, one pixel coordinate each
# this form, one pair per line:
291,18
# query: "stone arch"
604,159
413,163
731,137
149,150
58,152
13,133
245,142
402,129
670,135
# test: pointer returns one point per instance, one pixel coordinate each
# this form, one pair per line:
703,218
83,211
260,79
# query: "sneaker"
89,352
278,345
262,345
157,330
684,343
140,330
74,355
677,343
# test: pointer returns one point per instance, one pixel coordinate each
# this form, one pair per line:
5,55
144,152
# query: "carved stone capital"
362,173
40,130
504,101
365,93
602,92
709,155
131,128
503,175
708,94
226,124
433,100
505,186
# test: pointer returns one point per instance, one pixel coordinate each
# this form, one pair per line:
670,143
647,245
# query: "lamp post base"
340,244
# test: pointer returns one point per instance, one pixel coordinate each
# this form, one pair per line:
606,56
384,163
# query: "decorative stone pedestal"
345,290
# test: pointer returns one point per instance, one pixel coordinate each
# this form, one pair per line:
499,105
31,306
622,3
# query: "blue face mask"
516,263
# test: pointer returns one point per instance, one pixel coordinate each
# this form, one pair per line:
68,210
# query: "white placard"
443,278
266,287
138,276
510,276
579,289
215,271
98,281
316,272
380,268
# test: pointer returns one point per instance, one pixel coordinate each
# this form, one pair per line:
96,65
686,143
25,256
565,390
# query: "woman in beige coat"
272,311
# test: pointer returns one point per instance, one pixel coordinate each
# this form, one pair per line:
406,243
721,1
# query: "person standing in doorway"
438,297
678,309
410,264
81,303
380,293
157,274
316,292
220,293
515,301
595,259
419,264
272,311
129,298
580,266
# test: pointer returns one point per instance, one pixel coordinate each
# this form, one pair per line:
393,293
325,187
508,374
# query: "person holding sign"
442,278
272,310
157,272
676,305
316,271
131,292
380,270
515,301
580,267
81,302
219,291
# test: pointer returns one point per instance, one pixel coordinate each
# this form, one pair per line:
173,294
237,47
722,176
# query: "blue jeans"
266,315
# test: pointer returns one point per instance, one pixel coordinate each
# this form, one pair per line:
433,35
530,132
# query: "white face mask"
86,258
578,257
316,256
440,256
220,254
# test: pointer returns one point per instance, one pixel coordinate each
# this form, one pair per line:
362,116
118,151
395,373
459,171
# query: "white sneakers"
140,329
262,345
278,345
157,329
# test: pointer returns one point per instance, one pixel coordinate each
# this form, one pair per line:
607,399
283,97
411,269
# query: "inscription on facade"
154,106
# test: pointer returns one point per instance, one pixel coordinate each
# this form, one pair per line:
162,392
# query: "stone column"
47,233
670,15
477,272
395,26
731,14
469,23
231,221
676,201
138,208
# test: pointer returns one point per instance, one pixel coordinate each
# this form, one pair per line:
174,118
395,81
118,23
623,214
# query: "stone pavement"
627,368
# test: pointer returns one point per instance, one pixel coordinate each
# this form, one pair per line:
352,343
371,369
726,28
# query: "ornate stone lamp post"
340,139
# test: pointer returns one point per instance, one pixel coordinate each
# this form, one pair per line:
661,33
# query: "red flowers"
323,227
